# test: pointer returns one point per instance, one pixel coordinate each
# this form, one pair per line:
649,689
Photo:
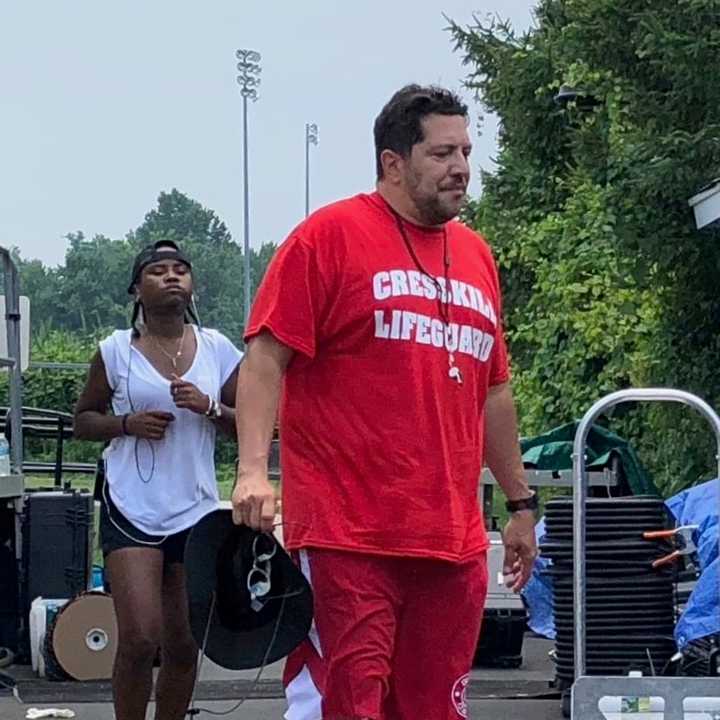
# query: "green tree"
42,285
93,284
88,292
607,283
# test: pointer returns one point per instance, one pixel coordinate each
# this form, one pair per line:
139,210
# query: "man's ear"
392,165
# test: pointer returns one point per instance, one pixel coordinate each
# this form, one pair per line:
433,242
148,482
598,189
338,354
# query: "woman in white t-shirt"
171,385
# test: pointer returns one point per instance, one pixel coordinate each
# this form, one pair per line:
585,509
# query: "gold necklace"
178,353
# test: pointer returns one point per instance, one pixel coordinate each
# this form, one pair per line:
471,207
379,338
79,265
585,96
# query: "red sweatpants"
393,638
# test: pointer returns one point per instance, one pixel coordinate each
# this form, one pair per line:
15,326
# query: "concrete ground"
273,710
220,689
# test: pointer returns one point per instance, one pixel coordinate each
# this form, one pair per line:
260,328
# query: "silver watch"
214,410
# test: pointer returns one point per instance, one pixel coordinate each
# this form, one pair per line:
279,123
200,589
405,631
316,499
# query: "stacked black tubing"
630,612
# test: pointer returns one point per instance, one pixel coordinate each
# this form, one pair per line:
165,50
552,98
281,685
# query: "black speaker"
57,530
9,596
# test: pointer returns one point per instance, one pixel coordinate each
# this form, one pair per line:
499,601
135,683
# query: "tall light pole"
311,136
249,80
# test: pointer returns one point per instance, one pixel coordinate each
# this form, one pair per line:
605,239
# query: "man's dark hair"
398,126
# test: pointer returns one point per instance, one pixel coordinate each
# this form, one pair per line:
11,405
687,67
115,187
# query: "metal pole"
311,136
249,68
246,194
580,487
12,322
58,366
307,169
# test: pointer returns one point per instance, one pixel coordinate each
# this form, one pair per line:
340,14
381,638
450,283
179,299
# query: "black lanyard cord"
443,306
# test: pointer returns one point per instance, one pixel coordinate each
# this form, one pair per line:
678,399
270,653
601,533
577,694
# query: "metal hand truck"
666,698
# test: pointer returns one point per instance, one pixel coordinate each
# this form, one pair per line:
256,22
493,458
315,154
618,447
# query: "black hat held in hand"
261,603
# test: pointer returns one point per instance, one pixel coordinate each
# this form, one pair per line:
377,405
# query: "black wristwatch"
528,503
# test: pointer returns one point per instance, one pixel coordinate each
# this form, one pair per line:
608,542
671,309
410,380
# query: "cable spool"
629,604
82,641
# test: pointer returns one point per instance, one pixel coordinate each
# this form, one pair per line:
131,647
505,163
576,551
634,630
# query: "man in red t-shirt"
377,334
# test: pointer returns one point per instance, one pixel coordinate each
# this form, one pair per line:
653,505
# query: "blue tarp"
695,506
538,593
699,506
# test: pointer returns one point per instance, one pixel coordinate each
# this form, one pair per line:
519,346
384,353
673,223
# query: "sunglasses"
258,579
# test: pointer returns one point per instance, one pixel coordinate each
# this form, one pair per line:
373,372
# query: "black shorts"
117,532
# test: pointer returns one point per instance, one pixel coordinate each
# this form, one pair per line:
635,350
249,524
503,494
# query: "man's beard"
431,209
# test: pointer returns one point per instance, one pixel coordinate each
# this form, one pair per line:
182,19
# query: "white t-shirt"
164,486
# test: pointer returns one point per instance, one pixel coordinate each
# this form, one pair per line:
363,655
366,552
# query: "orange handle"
658,534
666,559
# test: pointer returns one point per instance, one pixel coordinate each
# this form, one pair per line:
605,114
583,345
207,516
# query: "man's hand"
150,425
186,395
253,501
520,549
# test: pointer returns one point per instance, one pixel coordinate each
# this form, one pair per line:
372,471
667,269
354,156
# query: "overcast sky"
105,105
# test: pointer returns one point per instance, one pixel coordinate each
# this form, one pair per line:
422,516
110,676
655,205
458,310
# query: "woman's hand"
150,425
187,396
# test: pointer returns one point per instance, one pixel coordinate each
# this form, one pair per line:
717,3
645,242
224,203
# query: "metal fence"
12,362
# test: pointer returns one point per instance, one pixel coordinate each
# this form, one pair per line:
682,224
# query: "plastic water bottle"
4,455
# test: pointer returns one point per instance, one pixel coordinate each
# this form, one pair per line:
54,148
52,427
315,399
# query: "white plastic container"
38,626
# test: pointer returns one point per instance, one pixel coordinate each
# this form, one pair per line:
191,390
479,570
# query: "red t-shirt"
382,450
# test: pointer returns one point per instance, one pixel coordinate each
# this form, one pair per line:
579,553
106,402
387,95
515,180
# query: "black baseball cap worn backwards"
160,250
